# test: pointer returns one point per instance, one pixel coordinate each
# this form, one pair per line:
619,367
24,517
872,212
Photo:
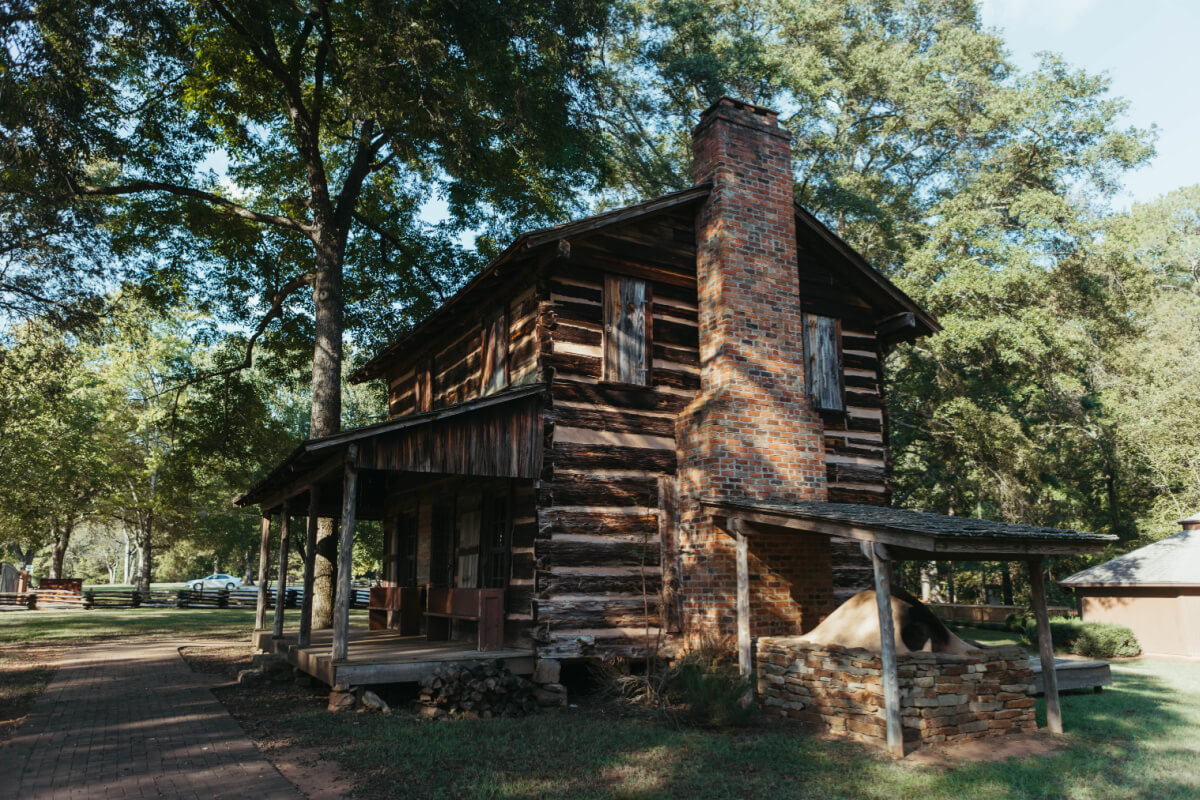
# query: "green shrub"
1088,639
1017,620
713,691
1105,640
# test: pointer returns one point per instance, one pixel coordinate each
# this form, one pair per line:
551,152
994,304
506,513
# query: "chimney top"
1192,523
741,113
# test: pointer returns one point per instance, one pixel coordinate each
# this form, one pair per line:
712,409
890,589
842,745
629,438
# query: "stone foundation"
943,698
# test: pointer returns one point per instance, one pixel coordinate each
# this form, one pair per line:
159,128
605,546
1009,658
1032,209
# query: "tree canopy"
267,171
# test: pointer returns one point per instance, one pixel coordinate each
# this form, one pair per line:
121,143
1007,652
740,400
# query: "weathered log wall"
856,450
447,365
600,546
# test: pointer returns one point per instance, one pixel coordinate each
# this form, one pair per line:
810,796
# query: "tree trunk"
62,538
950,583
146,567
247,572
1006,585
1114,510
326,416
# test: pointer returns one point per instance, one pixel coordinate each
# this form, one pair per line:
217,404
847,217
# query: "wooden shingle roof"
914,534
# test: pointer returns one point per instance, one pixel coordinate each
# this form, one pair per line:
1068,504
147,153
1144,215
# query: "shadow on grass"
1132,741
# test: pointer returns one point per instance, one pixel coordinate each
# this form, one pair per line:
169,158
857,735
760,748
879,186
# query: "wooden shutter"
424,387
495,353
823,362
626,331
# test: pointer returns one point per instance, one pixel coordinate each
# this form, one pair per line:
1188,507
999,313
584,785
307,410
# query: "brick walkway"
131,720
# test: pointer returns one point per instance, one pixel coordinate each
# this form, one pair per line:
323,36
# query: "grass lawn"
1136,739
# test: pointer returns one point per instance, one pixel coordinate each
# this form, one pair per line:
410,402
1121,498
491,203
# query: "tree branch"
376,229
274,312
136,187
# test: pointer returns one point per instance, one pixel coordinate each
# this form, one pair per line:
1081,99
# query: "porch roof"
473,438
912,535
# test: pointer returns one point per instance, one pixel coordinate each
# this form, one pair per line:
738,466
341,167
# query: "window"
823,362
440,558
406,550
496,542
626,331
495,353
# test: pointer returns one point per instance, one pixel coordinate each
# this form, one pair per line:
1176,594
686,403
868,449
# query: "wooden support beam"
887,648
310,558
264,553
285,533
341,605
1037,588
742,547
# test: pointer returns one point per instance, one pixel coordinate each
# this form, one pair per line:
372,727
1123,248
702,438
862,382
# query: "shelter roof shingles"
913,531
1174,561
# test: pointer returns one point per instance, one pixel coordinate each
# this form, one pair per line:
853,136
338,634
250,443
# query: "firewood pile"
482,690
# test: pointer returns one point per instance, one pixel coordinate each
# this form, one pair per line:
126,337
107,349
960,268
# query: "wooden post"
887,647
310,559
1037,588
341,605
285,533
264,553
745,655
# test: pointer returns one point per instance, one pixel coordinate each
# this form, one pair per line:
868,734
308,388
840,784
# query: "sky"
1150,49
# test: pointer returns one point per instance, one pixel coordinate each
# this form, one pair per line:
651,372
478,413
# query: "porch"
354,476
383,656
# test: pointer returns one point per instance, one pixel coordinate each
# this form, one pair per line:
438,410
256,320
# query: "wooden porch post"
264,552
285,532
887,646
310,556
1037,588
341,605
742,549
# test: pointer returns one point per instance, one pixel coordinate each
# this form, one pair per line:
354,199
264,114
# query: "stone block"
1025,702
546,670
951,699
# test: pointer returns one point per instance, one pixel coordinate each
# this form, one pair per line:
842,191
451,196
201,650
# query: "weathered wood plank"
588,456
555,522
597,551
611,419
597,612
578,490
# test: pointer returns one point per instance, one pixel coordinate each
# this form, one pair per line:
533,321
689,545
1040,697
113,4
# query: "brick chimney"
751,432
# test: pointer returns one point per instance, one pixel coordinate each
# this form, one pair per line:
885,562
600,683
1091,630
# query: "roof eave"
922,322
529,241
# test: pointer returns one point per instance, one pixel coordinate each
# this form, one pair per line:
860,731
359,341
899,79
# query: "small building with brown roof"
1154,590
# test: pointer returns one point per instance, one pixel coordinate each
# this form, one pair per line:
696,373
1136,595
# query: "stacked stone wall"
943,698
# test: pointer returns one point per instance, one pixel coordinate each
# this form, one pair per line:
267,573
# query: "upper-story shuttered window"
495,353
626,331
823,362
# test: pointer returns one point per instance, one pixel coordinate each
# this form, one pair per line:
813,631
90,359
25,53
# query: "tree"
53,467
337,121
1151,380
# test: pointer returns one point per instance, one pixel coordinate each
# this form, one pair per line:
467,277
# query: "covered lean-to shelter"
1154,590
654,427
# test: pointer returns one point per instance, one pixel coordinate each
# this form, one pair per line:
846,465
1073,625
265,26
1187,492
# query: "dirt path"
129,718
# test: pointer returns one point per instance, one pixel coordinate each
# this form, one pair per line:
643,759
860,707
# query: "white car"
217,581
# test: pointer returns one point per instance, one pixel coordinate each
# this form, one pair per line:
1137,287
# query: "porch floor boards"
383,656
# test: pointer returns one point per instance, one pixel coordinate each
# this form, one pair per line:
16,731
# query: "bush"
713,691
1105,640
1088,639
1017,620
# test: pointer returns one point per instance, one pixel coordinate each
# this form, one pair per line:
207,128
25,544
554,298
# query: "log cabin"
586,434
